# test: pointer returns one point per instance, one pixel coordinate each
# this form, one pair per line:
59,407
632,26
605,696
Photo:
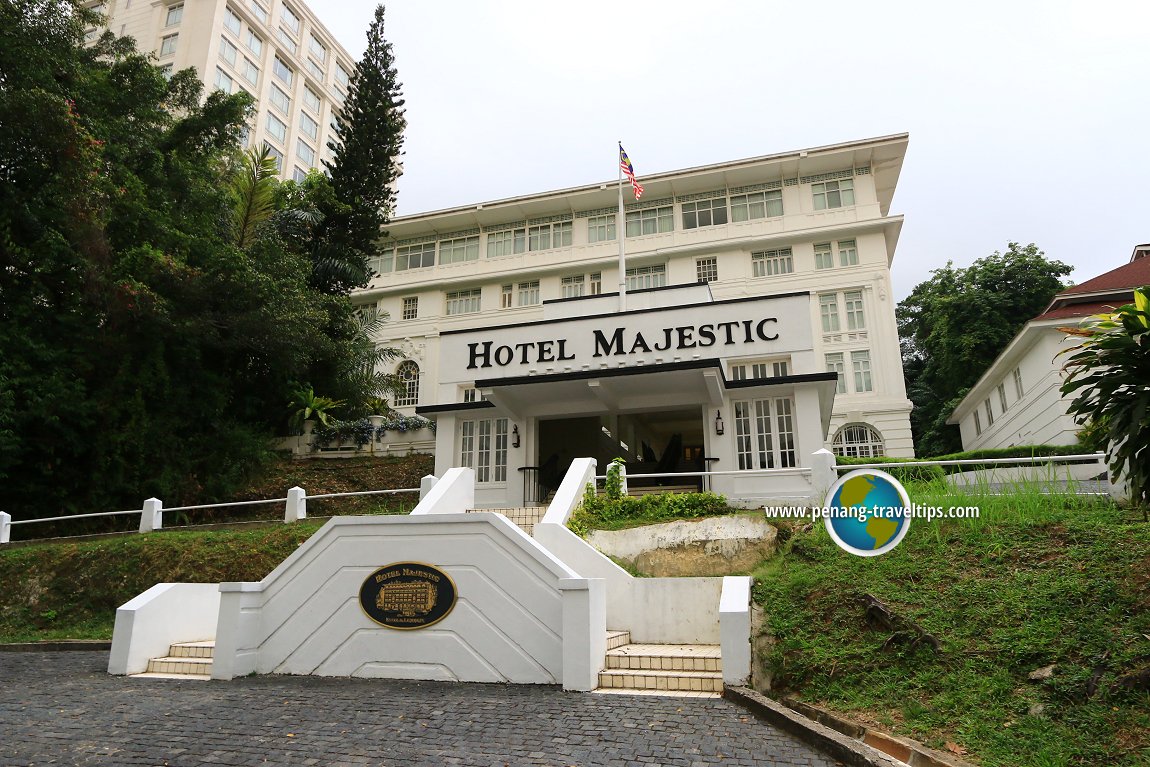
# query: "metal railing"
1099,458
704,477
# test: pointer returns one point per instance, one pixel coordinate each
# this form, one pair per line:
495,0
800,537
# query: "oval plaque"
407,595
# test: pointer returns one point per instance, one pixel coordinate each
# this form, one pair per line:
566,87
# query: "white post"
622,477
5,526
735,629
823,473
296,508
152,515
425,485
620,233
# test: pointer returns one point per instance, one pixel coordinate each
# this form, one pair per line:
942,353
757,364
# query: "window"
1002,396
258,10
848,253
833,194
283,71
175,14
254,43
829,311
299,175
315,69
529,293
279,99
318,49
167,70
858,440
250,71
168,45
772,262
458,250
415,256
276,155
304,151
860,363
989,413
410,308
596,286
470,394
224,81
382,263
506,242
287,41
854,305
764,433
506,293
571,287
342,78
276,127
483,447
1018,382
464,301
977,425
643,277
311,99
228,51
408,375
600,229
290,20
706,270
760,370
836,364
650,221
745,207
548,236
231,22
824,256
705,213
780,369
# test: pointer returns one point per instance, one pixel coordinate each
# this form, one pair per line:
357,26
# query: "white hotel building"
759,324
277,51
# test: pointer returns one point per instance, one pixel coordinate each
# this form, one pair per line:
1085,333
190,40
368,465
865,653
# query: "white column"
5,527
152,515
296,508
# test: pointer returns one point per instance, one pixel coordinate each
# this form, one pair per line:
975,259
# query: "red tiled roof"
1080,310
1126,277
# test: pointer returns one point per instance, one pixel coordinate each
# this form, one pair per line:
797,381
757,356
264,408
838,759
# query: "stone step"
690,681
618,639
203,649
173,664
664,657
524,516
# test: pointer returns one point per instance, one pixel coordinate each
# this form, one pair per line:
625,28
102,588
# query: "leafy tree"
953,325
1109,377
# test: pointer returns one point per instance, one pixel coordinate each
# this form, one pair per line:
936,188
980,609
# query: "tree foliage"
1109,378
953,326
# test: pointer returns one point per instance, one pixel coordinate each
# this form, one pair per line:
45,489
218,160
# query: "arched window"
408,373
858,440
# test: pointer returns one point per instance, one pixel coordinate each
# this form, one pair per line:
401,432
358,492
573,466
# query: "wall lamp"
719,422
515,436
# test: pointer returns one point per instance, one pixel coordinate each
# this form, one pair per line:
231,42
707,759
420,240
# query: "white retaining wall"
163,615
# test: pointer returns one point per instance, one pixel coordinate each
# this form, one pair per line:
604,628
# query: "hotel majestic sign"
407,595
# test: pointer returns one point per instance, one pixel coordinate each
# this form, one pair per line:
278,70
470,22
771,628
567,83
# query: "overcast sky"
1028,121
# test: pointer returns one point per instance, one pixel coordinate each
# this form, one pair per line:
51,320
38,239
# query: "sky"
1028,120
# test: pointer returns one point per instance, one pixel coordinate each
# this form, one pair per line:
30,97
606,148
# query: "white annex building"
276,51
758,326
1017,400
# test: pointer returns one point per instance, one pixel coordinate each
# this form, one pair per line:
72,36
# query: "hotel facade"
757,325
278,52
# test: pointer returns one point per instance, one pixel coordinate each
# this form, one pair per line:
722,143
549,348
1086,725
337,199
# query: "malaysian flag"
629,172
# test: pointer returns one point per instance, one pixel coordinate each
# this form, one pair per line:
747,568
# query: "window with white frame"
547,236
760,370
279,99
824,255
317,49
848,253
469,394
856,320
644,277
408,375
835,363
769,263
250,71
168,44
305,152
1002,396
989,413
415,256
1017,375
174,16
254,43
311,99
829,311
286,41
383,262
276,155
506,296
833,194
310,128
747,207
259,11
464,301
483,447
224,81
299,175
977,424
860,364
528,293
764,433
342,78
232,22
651,221
290,19
600,228
506,242
228,51
858,440
458,250
572,287
410,308
706,269
276,127
595,286
315,69
705,213
283,71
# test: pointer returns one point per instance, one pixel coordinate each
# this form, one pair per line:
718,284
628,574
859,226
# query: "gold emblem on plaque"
407,599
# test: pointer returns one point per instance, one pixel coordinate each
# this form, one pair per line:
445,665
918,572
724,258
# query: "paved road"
63,709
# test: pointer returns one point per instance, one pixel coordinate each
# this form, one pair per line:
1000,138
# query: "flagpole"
620,232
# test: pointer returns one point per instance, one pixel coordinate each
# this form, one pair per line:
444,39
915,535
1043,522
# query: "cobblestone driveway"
64,709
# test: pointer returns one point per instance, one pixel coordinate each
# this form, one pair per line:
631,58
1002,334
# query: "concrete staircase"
524,516
680,670
185,660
